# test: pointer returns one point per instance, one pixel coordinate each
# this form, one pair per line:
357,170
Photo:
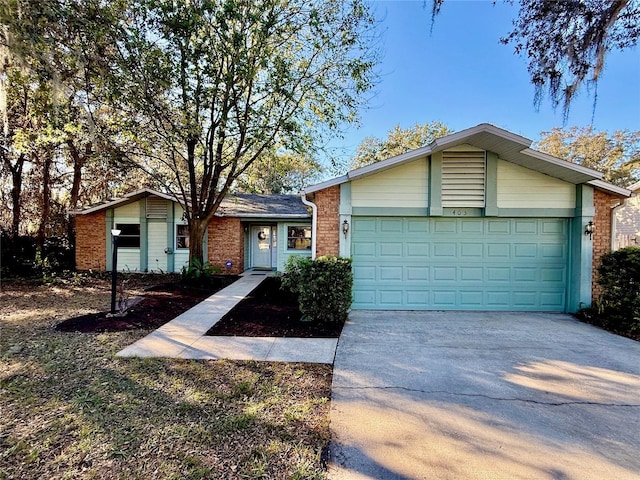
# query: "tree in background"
617,155
279,172
567,41
398,141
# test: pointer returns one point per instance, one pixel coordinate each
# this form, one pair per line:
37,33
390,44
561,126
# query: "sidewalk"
183,337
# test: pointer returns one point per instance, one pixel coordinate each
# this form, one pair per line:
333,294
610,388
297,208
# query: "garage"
422,263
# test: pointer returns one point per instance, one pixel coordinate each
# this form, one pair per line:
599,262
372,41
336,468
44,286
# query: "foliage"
567,41
619,277
211,87
279,173
199,272
323,286
22,258
617,155
398,141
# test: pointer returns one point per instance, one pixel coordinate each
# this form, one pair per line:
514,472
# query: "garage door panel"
413,263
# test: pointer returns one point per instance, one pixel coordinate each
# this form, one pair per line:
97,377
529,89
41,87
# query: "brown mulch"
159,305
269,311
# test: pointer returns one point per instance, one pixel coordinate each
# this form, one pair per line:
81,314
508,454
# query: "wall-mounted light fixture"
589,229
345,228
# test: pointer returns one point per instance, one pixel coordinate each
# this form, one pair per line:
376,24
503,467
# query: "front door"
261,242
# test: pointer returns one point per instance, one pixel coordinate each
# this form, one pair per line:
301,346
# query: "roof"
635,187
509,146
264,206
233,205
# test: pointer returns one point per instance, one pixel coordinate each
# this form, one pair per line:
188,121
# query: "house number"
460,213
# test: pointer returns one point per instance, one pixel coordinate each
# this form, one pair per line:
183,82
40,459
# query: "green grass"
70,409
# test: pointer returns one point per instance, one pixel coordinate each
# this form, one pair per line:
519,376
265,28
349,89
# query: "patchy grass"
71,410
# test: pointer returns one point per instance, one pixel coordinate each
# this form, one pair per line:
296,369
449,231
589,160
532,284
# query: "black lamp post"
114,269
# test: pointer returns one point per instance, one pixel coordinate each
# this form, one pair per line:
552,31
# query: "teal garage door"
420,263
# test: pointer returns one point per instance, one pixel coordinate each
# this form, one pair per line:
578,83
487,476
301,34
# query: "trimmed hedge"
323,286
619,304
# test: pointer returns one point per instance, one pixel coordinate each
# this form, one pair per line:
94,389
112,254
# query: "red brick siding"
225,241
91,241
328,226
603,203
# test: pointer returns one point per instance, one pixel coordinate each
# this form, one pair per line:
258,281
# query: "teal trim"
247,251
389,212
171,238
580,267
491,186
462,212
345,199
535,212
581,248
435,184
109,239
144,235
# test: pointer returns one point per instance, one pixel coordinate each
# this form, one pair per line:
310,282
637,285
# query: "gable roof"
233,205
509,146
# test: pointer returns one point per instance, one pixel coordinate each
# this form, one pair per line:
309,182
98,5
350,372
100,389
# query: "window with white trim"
182,236
298,237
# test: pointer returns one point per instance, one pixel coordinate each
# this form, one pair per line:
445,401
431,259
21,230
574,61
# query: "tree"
208,87
617,155
398,141
567,41
279,172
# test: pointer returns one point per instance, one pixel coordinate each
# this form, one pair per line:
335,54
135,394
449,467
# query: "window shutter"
156,207
463,179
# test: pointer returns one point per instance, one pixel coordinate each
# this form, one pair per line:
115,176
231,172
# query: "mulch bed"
269,311
159,305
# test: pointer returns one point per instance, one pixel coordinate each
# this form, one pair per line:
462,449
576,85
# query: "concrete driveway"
456,395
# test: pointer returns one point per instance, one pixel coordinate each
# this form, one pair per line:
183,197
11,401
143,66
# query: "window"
182,236
299,238
129,235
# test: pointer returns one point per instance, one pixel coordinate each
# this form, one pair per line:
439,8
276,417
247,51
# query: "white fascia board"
609,187
459,137
388,163
326,184
634,187
562,163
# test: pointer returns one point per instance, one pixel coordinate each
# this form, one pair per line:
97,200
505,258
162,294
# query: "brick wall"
225,241
603,203
91,241
328,226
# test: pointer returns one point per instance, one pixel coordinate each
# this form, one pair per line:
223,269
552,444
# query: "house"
476,220
248,231
627,221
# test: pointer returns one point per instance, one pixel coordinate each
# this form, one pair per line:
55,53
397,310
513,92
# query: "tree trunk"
16,193
46,199
197,229
78,164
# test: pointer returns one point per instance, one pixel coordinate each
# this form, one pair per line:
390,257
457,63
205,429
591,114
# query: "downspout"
314,222
613,223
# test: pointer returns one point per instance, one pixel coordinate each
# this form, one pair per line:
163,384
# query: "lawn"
70,409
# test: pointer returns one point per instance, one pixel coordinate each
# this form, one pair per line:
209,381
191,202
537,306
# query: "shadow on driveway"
456,395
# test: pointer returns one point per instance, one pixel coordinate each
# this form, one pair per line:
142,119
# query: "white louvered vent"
156,207
463,179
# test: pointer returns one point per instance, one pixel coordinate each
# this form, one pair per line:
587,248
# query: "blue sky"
461,75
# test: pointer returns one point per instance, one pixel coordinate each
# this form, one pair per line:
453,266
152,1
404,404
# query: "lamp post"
114,269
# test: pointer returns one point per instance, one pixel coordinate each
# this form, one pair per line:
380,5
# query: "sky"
461,75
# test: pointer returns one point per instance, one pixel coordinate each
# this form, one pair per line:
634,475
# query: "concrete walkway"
184,336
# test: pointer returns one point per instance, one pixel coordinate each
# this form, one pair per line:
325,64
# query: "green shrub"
619,276
323,286
199,273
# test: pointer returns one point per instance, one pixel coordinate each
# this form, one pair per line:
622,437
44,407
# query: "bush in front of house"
619,304
323,286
